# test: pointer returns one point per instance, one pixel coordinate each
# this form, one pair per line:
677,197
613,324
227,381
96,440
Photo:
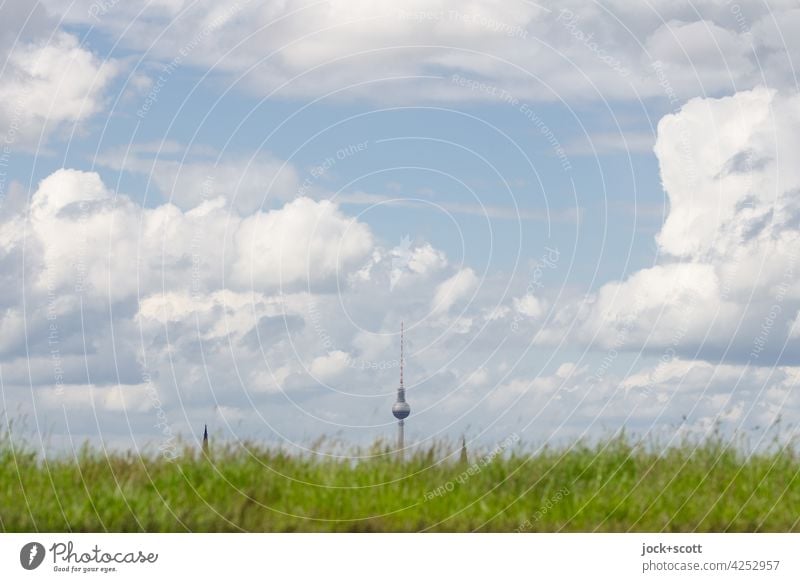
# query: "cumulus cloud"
49,84
305,241
727,282
107,245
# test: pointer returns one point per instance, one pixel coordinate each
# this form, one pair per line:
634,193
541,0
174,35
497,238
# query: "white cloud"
726,283
304,241
453,289
330,366
242,311
372,347
410,263
108,246
48,84
701,57
271,381
478,377
715,156
529,305
565,370
580,49
111,247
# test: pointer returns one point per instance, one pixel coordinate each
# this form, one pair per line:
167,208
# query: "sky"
586,214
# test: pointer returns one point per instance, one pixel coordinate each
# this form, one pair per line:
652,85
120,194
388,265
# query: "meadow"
616,485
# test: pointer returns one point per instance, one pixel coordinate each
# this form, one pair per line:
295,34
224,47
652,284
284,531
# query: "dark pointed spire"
463,459
205,439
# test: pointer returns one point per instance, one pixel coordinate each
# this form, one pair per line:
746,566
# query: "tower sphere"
401,410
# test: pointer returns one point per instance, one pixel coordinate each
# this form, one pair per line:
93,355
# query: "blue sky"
220,214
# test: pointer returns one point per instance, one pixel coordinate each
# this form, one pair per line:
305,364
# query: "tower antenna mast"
401,356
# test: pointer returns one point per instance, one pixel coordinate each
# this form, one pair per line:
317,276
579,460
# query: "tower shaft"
401,436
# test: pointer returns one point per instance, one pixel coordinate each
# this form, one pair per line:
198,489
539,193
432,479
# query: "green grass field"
612,486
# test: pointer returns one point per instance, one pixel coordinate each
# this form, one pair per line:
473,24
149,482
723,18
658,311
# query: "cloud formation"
236,298
50,84
726,285
546,50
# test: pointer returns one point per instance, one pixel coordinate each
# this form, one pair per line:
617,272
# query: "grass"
616,485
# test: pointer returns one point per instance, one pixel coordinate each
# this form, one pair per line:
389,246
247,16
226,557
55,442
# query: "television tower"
401,409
